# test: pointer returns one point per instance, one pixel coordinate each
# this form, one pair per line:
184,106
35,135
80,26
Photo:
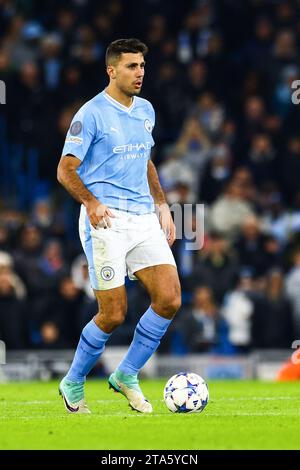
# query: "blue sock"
91,345
148,333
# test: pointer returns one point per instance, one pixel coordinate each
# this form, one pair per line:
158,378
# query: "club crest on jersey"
107,273
148,125
76,127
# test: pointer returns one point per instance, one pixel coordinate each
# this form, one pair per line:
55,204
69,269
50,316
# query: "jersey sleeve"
152,115
81,133
152,122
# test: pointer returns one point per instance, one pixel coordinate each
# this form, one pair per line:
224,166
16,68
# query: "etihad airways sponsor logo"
132,147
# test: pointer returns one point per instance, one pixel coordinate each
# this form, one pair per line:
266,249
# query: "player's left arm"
165,217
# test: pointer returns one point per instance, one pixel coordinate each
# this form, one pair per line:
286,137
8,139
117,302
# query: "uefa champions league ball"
186,393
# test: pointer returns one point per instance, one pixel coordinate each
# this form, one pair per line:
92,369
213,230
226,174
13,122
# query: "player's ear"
111,71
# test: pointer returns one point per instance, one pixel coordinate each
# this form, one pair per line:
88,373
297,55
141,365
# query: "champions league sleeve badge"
76,128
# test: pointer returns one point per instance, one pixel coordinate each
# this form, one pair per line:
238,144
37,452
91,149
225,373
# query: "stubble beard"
130,93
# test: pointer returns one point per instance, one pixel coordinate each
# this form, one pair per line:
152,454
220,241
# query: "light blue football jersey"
114,144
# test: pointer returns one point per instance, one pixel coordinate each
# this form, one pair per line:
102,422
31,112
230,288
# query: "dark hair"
123,46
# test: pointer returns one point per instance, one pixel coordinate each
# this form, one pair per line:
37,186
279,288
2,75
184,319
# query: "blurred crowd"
219,74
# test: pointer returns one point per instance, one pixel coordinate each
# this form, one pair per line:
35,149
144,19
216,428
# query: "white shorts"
133,242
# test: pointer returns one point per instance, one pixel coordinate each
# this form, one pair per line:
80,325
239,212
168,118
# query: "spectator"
42,215
243,176
260,160
278,221
230,211
290,169
216,174
197,76
26,256
210,114
282,98
25,46
172,103
174,171
273,318
4,238
293,291
193,147
28,96
80,275
254,115
249,246
198,323
67,310
237,310
6,266
50,337
12,312
257,51
51,62
215,268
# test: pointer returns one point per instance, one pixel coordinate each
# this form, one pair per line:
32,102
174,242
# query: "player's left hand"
166,222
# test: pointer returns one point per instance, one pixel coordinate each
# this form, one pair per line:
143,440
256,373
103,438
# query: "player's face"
129,73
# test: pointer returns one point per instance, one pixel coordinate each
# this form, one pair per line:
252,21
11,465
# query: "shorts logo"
107,273
76,128
148,125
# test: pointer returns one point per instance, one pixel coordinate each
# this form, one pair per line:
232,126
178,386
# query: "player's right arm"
67,176
78,140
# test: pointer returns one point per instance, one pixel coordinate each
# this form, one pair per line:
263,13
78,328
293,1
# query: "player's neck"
119,96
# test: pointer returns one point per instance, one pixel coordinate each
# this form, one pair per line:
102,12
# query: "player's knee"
174,305
117,318
167,306
110,320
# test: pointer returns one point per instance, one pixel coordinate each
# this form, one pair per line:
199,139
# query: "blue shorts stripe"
88,248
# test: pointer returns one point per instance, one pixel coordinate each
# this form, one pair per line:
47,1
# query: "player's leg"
151,261
112,310
105,252
163,286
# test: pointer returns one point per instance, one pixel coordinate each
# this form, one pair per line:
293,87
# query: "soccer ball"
186,393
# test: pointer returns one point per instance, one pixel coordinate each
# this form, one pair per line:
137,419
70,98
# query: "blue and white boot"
128,385
73,396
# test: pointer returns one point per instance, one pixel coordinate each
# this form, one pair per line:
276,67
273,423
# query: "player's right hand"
99,214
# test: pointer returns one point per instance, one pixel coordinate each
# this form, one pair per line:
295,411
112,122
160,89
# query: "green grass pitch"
240,415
